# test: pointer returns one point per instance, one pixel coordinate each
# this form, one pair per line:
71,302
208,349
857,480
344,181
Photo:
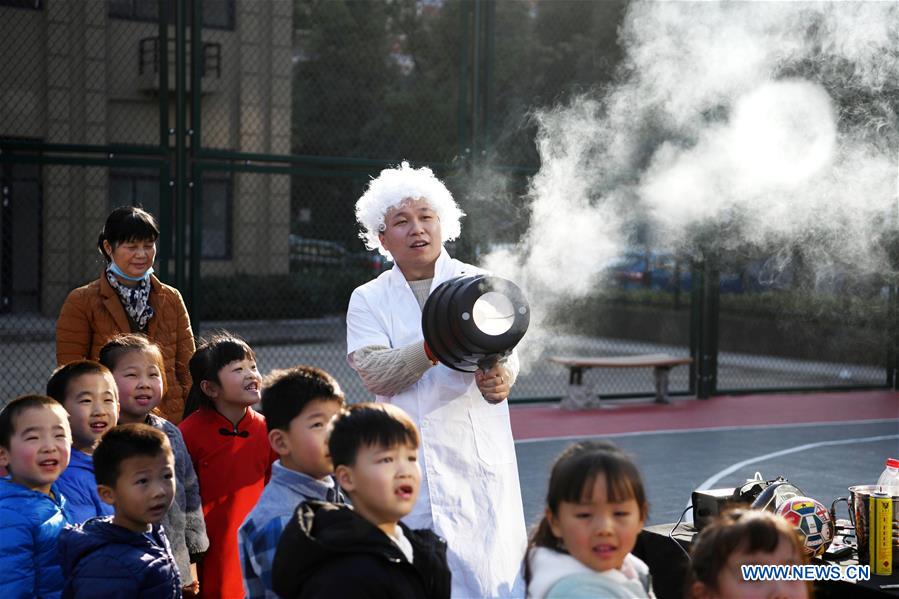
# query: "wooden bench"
579,397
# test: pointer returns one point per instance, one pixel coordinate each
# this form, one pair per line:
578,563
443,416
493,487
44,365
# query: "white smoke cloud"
771,123
761,164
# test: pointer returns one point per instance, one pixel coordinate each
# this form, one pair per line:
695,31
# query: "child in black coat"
328,550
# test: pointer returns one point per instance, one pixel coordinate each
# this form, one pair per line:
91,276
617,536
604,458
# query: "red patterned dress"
233,464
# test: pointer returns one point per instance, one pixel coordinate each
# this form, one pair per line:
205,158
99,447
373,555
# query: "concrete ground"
823,443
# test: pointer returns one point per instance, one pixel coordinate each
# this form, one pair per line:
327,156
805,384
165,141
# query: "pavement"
822,442
628,416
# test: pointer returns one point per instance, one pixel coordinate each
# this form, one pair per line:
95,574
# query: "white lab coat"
470,494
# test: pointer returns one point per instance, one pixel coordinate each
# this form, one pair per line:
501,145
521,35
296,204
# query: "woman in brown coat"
127,298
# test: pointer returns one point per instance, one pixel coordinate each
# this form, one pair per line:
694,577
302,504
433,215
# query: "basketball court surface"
821,442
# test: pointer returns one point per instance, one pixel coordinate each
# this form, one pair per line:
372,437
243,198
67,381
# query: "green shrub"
871,311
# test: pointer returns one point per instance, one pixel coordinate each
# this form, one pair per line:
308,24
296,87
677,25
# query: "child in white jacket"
595,508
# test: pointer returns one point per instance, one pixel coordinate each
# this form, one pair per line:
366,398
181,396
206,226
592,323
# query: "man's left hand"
494,384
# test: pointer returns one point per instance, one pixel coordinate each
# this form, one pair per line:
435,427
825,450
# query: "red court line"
547,420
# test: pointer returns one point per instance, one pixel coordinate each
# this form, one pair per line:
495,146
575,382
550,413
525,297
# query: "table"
668,566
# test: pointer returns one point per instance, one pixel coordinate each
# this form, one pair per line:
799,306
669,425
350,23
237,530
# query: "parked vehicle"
371,261
650,270
304,251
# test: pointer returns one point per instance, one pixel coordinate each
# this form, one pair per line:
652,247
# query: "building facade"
84,76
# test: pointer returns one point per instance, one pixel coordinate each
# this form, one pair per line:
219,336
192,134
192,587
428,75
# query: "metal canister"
880,522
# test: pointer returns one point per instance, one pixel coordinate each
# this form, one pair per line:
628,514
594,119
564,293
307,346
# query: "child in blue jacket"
126,556
35,442
89,394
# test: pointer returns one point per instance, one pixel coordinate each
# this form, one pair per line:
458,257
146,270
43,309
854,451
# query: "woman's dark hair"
210,357
738,530
127,223
572,478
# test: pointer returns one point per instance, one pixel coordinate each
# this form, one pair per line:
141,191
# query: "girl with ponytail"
595,508
228,444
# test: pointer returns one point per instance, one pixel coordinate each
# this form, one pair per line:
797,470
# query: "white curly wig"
396,186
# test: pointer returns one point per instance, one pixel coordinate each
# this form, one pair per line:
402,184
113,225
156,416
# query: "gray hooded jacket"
184,524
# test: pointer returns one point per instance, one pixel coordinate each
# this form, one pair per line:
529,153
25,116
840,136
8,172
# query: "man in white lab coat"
470,493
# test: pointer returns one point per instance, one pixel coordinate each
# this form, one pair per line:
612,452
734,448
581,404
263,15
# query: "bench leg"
576,376
579,397
661,378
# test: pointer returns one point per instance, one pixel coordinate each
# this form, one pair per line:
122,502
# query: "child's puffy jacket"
32,522
184,525
79,486
101,560
329,550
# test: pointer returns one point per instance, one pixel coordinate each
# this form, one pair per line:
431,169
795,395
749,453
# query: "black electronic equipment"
756,493
838,551
708,503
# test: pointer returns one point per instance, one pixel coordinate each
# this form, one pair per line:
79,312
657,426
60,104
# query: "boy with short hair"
126,555
329,550
299,404
35,442
137,366
88,392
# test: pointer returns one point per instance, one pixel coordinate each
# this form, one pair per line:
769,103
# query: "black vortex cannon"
470,322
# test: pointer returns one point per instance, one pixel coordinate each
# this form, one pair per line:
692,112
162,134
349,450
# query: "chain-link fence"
283,270
251,130
51,218
785,324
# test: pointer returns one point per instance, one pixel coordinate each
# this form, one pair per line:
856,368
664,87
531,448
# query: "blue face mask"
114,268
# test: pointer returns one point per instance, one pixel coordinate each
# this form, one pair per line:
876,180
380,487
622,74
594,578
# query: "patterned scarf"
135,300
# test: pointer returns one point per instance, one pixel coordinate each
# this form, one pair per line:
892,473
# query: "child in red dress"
228,445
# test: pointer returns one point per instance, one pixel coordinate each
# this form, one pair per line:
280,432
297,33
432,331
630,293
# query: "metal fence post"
165,174
893,338
475,80
489,61
180,191
166,224
465,72
893,309
195,189
695,302
196,247
704,327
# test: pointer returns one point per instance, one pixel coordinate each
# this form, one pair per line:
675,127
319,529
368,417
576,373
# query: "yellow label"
880,546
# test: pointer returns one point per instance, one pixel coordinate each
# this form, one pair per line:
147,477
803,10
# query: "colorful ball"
811,519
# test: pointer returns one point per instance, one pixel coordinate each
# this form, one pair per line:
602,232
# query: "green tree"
341,77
